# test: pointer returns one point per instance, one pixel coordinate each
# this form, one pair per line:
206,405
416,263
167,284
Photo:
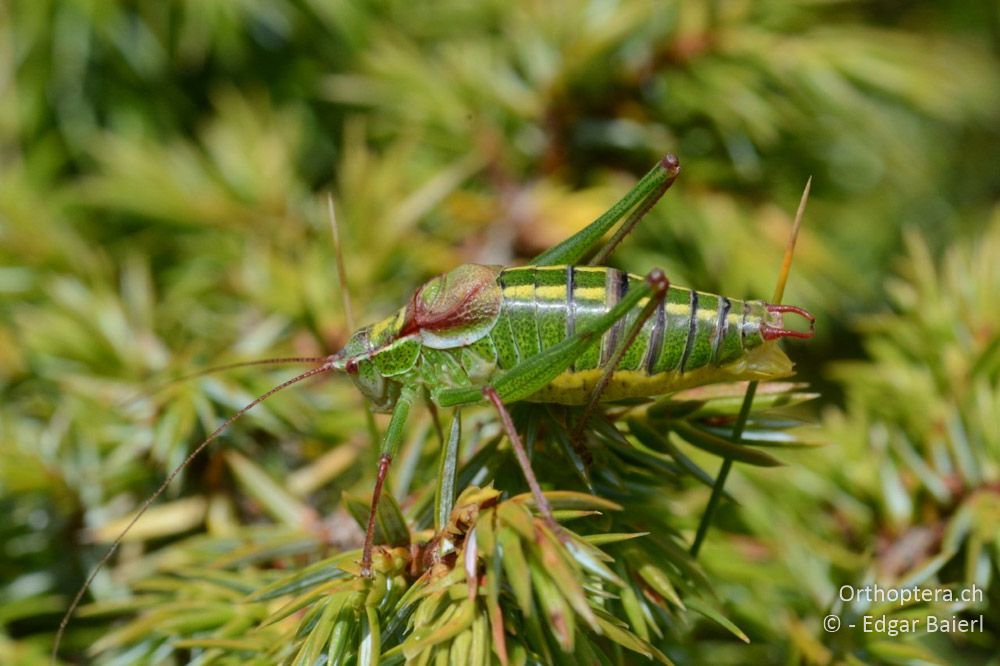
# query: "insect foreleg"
645,193
390,444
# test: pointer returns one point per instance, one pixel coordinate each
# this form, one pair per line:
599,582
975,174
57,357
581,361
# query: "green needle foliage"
491,583
164,169
910,489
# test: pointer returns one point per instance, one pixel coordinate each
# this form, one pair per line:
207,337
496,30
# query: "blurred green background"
164,169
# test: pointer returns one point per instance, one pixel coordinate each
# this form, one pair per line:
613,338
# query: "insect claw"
770,332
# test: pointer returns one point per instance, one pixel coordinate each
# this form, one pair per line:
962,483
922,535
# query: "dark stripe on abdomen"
655,348
616,286
570,303
692,331
545,305
721,327
704,324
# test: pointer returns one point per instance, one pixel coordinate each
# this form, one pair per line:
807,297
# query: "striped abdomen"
692,338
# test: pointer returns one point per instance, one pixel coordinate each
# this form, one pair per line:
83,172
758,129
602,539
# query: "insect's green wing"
645,193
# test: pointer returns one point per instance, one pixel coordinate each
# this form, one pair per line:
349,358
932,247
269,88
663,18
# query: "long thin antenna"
163,487
288,360
345,295
741,419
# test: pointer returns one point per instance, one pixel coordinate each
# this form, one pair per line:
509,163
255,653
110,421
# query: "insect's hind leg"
533,374
642,197
521,455
672,167
654,302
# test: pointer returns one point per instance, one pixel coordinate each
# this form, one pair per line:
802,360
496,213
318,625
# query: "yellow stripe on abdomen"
575,388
